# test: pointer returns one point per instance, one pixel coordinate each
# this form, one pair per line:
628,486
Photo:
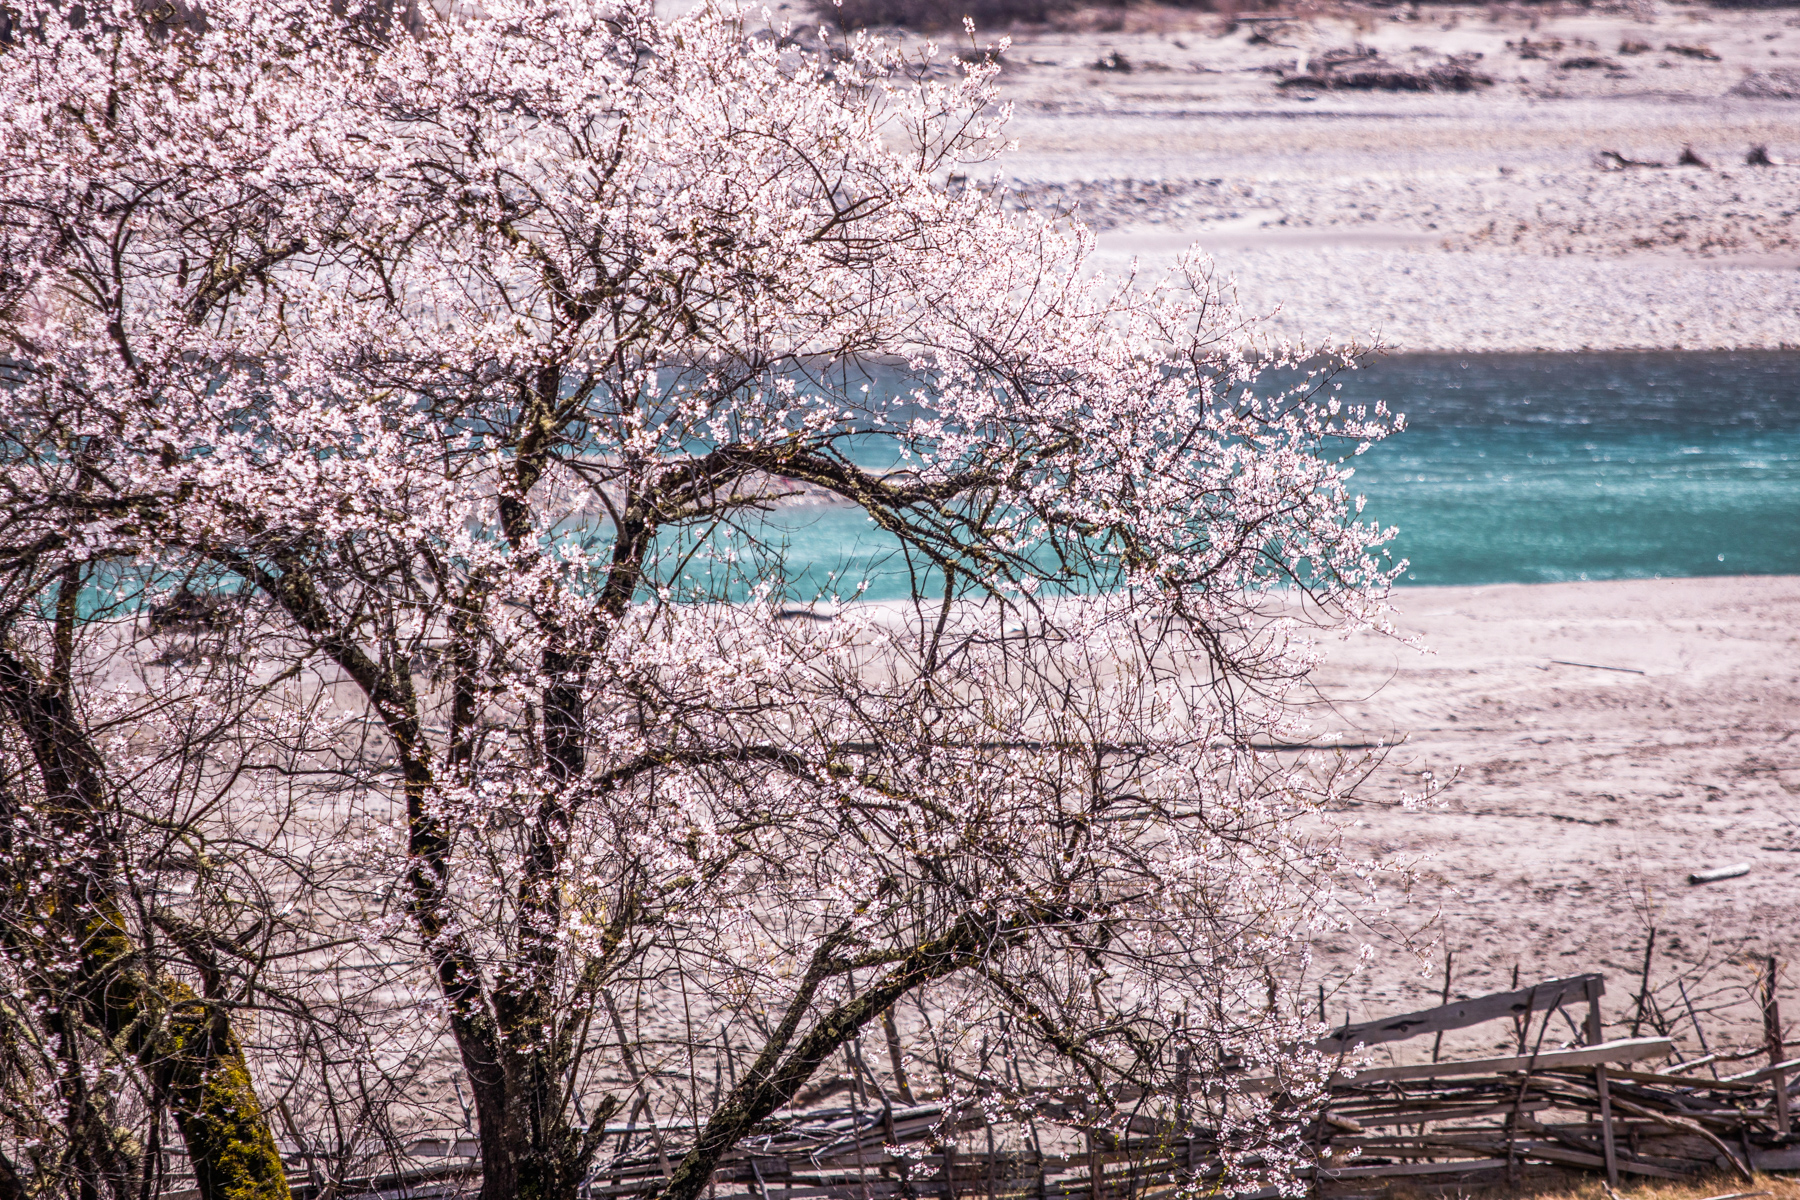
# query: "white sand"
1585,795
1438,220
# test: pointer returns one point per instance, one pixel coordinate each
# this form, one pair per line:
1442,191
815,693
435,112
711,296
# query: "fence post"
1772,1035
1595,1037
1184,1083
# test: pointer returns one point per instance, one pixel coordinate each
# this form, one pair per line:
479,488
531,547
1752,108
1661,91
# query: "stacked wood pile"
1592,1106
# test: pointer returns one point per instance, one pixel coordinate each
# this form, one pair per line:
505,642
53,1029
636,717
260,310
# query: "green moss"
242,1161
188,1047
215,1105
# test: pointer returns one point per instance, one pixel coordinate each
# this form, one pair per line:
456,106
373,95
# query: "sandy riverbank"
1439,220
1435,221
1602,740
1587,793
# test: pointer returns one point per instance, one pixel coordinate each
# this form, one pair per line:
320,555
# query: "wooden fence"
1593,1105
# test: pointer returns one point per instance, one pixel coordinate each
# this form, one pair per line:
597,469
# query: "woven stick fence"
1595,1105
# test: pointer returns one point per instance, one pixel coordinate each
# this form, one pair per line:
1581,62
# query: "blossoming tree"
471,370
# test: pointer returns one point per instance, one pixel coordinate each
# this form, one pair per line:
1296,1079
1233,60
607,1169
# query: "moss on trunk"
183,1041
214,1103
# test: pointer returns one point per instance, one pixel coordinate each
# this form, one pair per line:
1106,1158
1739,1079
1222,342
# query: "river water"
1535,468
1524,468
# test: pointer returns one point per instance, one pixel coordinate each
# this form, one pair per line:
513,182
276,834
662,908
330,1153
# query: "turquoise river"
1528,468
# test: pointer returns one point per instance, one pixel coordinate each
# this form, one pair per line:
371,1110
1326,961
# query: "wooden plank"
1437,1168
1754,1077
1603,1086
1698,1082
1427,1116
1461,1014
1785,1158
1575,1158
1784,1121
1533,1149
1490,1139
1624,1050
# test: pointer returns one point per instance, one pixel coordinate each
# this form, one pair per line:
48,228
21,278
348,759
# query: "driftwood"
1612,160
1359,68
1461,1015
1563,662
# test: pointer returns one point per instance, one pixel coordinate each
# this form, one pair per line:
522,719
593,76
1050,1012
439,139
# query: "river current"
1525,468
1537,468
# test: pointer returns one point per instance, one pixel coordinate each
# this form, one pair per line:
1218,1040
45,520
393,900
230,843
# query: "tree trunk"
185,1044
503,1028
512,1168
529,1148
